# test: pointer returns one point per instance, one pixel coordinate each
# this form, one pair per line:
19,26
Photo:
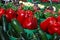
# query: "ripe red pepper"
30,23
55,0
10,11
58,18
10,14
45,0
22,15
44,25
28,13
2,11
9,17
19,12
54,28
51,25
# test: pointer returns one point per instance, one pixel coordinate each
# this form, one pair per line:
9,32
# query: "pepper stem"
50,3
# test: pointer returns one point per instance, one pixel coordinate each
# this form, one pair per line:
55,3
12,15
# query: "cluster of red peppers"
51,25
10,13
25,18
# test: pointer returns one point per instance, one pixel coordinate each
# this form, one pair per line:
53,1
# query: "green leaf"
1,4
9,5
47,14
14,8
25,8
31,8
55,15
38,15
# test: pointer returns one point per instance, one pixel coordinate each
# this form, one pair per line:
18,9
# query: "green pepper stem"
50,3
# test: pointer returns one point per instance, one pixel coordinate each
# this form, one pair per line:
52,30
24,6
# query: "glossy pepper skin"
58,18
44,24
10,14
54,28
2,11
28,13
10,11
53,25
22,15
30,23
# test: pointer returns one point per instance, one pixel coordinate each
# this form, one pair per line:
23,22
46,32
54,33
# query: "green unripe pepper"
13,35
4,27
4,23
16,26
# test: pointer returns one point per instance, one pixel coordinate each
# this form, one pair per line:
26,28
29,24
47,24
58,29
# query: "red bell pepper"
2,11
30,23
51,25
45,0
58,18
28,13
54,28
19,12
9,17
10,11
22,15
55,0
44,25
10,14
